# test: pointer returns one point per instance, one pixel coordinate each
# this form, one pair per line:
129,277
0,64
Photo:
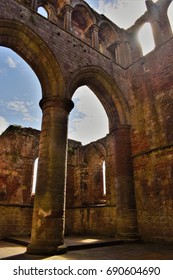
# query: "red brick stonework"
76,46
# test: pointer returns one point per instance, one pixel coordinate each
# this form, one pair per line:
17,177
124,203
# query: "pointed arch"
108,39
43,11
86,7
107,92
49,9
146,39
82,20
88,115
170,15
35,169
35,52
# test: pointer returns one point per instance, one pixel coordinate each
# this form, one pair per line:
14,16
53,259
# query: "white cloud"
146,38
11,62
88,121
170,13
122,12
20,107
3,124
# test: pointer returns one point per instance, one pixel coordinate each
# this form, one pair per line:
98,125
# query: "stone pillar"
118,52
124,185
67,10
157,32
115,49
94,36
161,33
159,22
34,4
128,54
49,206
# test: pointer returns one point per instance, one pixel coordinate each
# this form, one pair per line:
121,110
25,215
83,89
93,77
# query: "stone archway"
117,111
36,53
107,92
48,216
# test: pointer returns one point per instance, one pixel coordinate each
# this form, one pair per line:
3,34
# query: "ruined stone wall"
18,151
89,206
96,220
85,173
152,142
136,92
15,220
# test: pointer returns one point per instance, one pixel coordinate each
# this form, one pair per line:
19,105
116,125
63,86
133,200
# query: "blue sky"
20,90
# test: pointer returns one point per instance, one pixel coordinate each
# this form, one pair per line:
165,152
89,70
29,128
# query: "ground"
79,250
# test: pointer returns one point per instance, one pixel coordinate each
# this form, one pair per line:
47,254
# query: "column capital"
94,27
34,4
54,101
114,45
67,8
118,128
94,33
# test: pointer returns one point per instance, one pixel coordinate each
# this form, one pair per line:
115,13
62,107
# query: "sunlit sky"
21,92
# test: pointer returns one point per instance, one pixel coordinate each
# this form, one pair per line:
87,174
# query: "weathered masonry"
118,185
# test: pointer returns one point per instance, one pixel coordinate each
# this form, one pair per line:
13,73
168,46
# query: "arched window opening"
170,15
42,11
104,177
34,177
145,36
20,116
21,92
81,22
109,42
88,119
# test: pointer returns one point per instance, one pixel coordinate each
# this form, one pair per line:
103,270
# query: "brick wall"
15,220
140,96
152,142
96,220
18,149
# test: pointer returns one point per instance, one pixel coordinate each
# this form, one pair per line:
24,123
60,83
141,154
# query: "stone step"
79,243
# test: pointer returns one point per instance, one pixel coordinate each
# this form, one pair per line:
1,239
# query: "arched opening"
88,120
34,177
82,20
22,91
103,87
42,11
109,42
170,15
92,186
21,105
37,55
20,112
104,177
145,36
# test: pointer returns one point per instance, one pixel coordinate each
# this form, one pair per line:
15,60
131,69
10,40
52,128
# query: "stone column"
115,49
161,34
34,4
67,10
128,54
49,204
159,22
94,36
124,187
118,52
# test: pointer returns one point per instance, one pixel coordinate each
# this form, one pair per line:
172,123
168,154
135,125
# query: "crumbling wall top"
17,129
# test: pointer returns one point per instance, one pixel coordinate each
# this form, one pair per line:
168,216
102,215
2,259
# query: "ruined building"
76,46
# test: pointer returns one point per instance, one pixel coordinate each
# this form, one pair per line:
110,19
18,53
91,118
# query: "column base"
46,250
